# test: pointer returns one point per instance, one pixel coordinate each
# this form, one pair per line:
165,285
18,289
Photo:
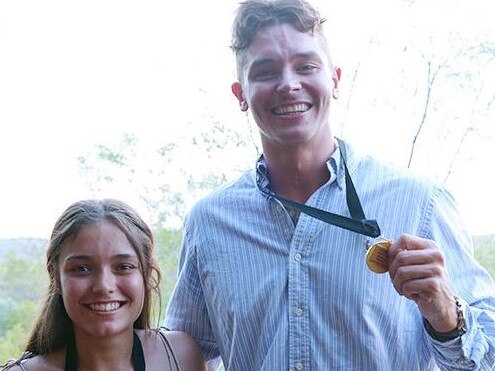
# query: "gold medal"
377,256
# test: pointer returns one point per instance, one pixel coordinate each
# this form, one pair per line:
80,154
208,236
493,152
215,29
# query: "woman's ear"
237,90
57,287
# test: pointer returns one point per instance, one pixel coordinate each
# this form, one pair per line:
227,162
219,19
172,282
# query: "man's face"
288,83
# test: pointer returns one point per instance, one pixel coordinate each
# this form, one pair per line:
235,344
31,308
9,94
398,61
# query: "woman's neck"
102,354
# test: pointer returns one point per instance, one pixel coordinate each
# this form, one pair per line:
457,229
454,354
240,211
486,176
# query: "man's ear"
336,78
237,90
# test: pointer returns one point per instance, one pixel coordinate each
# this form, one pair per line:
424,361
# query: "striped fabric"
265,294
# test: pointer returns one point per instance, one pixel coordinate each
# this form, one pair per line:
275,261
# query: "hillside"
28,248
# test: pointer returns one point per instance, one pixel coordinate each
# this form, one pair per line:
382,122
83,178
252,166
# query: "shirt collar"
262,174
334,164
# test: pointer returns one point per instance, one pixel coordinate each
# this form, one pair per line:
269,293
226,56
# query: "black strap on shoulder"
138,354
357,223
71,355
168,348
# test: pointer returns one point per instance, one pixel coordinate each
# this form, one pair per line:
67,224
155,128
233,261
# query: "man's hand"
417,271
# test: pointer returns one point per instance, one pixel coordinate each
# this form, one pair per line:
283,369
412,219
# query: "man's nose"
289,81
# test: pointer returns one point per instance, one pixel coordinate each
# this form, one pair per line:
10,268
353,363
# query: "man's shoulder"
384,170
245,183
226,195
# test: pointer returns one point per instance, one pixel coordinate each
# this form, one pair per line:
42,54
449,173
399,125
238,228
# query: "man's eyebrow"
261,62
310,54
301,55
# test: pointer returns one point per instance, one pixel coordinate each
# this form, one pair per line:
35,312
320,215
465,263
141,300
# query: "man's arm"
431,271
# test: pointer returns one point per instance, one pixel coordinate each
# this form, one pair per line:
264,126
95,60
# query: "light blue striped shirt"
265,294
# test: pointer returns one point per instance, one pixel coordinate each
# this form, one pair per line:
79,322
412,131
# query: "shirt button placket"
298,311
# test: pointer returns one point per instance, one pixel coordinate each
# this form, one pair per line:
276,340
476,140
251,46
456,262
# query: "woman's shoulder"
29,362
13,365
185,350
20,363
177,348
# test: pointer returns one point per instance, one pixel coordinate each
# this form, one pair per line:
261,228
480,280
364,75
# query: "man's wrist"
459,330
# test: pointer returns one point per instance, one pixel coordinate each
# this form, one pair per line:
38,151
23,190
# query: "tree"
485,253
22,279
168,179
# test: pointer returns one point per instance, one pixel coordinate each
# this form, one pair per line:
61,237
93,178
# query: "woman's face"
101,281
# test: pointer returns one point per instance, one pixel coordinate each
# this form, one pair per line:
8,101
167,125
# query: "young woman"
96,314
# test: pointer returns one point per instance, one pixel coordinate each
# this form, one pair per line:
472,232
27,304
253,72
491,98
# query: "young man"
269,288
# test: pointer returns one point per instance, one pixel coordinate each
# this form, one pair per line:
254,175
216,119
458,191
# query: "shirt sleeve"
187,309
475,350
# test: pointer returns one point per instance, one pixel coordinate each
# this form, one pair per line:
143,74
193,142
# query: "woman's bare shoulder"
158,343
36,363
186,350
12,366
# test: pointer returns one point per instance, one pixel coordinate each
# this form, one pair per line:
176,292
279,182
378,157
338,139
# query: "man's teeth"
291,109
105,307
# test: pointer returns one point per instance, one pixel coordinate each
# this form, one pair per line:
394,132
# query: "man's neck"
297,173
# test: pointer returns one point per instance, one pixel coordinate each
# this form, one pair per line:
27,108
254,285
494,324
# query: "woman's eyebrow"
78,257
125,256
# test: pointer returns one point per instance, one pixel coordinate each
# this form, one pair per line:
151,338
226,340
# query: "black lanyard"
137,355
357,223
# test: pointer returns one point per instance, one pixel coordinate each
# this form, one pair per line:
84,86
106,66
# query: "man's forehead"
273,40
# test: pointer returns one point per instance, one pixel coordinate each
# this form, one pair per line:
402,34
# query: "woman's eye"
81,269
126,267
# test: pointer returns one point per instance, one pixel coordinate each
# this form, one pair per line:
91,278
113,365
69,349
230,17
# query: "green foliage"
6,308
485,253
168,243
20,278
16,329
22,283
160,177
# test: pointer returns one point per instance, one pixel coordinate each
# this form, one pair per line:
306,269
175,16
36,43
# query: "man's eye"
264,75
306,67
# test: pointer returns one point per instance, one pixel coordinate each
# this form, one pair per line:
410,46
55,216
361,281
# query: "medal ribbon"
357,223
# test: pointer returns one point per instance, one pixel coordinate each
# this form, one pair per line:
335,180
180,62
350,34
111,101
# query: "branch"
352,86
431,79
456,154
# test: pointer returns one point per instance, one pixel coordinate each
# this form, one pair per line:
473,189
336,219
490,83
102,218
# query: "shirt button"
299,366
279,207
298,311
297,257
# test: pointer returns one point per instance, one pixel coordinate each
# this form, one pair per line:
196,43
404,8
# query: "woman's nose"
104,282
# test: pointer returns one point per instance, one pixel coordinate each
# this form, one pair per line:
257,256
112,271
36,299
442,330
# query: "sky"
75,74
